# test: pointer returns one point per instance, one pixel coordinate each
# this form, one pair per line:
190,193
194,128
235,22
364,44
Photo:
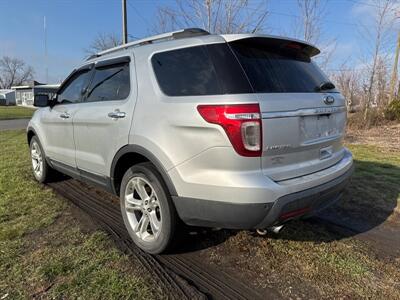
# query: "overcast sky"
72,25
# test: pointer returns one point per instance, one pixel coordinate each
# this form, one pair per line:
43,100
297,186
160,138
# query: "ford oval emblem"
329,99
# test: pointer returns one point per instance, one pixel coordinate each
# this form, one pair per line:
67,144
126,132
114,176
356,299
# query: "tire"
41,169
147,209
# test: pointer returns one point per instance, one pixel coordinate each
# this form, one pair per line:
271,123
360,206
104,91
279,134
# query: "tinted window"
109,83
73,90
200,70
277,70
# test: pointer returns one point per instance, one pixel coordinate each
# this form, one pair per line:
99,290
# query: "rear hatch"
303,115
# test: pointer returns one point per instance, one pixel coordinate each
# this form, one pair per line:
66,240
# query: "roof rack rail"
179,34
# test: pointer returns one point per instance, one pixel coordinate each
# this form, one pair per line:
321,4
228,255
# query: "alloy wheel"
37,160
143,209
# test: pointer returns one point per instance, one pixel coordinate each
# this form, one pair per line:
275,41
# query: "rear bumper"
199,212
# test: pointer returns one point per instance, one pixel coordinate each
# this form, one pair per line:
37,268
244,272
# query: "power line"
138,14
366,3
298,16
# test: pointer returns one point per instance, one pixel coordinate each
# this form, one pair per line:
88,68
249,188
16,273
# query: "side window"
200,70
74,89
109,83
185,72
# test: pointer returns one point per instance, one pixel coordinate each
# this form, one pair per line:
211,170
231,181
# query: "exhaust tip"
274,229
262,232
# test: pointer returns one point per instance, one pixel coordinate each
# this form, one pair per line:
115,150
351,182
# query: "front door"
103,121
58,120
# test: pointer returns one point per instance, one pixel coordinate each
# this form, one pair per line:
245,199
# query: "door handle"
65,115
117,114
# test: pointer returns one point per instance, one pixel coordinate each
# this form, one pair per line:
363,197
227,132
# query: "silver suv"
234,131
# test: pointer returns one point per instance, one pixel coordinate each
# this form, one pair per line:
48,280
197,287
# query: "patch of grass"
345,263
43,251
15,112
374,192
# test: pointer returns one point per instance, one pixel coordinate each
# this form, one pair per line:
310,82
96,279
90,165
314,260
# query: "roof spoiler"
279,42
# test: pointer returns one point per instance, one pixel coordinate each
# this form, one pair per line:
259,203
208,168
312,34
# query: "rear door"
103,121
303,124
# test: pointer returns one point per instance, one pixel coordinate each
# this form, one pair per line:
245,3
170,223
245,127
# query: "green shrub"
392,112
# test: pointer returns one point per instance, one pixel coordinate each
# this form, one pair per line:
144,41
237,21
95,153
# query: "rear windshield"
272,69
200,70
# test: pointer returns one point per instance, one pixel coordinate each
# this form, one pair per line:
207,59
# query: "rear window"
200,70
273,69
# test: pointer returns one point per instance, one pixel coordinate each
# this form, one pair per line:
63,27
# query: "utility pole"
124,23
45,48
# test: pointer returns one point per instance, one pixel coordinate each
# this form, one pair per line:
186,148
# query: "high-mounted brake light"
241,122
294,45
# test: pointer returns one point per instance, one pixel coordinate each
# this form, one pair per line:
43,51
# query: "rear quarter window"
200,70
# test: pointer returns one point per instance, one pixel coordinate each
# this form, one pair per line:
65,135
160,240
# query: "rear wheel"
147,209
41,170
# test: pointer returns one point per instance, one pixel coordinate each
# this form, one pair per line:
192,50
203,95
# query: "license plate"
318,127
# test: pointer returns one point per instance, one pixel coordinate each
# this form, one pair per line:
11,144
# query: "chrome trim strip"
303,112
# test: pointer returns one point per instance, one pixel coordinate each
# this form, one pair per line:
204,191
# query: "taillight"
241,122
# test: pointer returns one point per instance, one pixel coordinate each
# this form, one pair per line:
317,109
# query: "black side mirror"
41,100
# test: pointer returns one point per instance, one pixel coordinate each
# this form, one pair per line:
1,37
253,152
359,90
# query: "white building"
24,94
7,97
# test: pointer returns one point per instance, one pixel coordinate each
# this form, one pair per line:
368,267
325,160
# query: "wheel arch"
30,134
130,155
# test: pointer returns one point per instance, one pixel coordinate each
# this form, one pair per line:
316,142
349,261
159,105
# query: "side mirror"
41,100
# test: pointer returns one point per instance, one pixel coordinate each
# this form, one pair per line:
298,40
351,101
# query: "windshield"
273,69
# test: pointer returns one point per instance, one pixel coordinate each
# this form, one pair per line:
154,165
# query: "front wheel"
148,212
41,170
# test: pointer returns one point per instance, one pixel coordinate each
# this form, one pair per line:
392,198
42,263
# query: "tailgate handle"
325,152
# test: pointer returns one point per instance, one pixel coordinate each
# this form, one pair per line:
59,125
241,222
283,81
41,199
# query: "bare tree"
215,16
13,72
103,41
382,84
377,35
394,76
347,80
308,27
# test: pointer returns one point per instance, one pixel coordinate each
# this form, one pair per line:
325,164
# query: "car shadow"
367,202
193,239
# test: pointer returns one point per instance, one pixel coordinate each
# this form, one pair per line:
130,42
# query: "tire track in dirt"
184,276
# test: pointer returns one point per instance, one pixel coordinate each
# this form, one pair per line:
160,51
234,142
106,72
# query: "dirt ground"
387,136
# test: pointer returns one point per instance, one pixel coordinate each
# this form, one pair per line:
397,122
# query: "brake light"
242,124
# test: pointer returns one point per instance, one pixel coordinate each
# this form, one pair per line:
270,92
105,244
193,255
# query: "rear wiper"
325,85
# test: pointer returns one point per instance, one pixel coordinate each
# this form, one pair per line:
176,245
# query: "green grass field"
15,112
45,252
